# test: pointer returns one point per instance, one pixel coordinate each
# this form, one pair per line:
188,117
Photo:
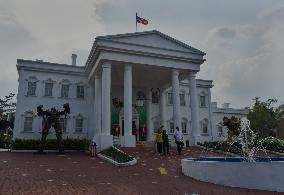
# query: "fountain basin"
263,174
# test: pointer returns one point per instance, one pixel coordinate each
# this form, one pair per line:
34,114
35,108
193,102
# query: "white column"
176,99
163,108
150,132
97,108
194,107
106,139
129,139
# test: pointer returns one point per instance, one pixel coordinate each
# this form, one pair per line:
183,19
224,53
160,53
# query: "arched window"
48,87
65,85
79,123
80,90
32,83
220,131
28,121
171,126
184,125
204,127
202,99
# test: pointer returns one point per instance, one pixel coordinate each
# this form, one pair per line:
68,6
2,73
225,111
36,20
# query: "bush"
51,144
5,141
223,146
272,144
116,155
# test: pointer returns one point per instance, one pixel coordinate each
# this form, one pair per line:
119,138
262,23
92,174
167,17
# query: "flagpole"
136,21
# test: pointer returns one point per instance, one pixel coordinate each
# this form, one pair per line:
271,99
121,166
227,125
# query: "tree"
233,125
263,117
6,106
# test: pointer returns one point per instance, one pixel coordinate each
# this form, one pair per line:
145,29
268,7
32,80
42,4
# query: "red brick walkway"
77,173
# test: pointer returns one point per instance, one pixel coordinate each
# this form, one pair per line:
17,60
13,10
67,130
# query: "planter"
129,163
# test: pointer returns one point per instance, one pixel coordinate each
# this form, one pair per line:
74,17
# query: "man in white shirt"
178,139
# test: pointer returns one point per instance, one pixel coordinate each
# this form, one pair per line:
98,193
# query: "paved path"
77,173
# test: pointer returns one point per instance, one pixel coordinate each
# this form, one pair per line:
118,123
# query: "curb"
133,162
273,152
48,151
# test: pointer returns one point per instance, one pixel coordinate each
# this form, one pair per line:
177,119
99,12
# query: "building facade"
131,84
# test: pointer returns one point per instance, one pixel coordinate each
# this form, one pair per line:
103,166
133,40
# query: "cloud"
246,60
48,30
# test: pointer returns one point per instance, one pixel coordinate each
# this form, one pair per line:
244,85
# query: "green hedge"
51,144
272,144
116,155
223,146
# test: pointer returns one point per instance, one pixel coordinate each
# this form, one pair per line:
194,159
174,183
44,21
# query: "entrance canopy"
152,55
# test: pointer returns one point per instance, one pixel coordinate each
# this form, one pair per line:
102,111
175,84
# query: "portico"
142,61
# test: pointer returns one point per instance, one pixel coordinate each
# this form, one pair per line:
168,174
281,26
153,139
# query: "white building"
152,75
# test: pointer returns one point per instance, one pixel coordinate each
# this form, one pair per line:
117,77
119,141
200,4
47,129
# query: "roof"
107,37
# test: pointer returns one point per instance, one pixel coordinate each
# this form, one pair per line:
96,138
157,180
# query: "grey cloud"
226,33
250,65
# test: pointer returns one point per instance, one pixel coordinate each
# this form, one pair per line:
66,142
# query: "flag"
141,20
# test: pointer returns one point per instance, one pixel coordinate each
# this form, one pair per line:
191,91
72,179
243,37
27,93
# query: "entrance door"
134,129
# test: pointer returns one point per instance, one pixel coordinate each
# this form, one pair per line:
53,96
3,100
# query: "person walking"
159,141
178,139
165,142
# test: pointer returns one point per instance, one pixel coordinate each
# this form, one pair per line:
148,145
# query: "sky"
243,40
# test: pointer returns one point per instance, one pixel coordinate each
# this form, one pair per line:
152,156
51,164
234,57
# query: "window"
181,96
79,125
63,124
31,81
80,91
64,91
172,127
170,98
31,89
204,127
220,131
155,97
202,101
28,124
48,89
182,99
184,126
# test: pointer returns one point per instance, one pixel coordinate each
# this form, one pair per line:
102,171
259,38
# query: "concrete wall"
255,175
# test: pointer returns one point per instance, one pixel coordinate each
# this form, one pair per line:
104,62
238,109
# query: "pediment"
152,39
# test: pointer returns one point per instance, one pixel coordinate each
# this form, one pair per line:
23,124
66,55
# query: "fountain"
249,171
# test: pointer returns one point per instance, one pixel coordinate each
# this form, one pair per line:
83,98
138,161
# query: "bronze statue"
51,118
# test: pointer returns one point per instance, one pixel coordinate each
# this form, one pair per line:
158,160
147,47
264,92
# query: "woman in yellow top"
159,141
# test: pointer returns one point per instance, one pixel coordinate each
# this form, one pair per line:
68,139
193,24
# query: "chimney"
73,56
226,105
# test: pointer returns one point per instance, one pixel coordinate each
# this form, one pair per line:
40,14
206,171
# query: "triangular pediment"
152,39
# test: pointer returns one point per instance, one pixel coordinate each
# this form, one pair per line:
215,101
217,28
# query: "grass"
116,155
